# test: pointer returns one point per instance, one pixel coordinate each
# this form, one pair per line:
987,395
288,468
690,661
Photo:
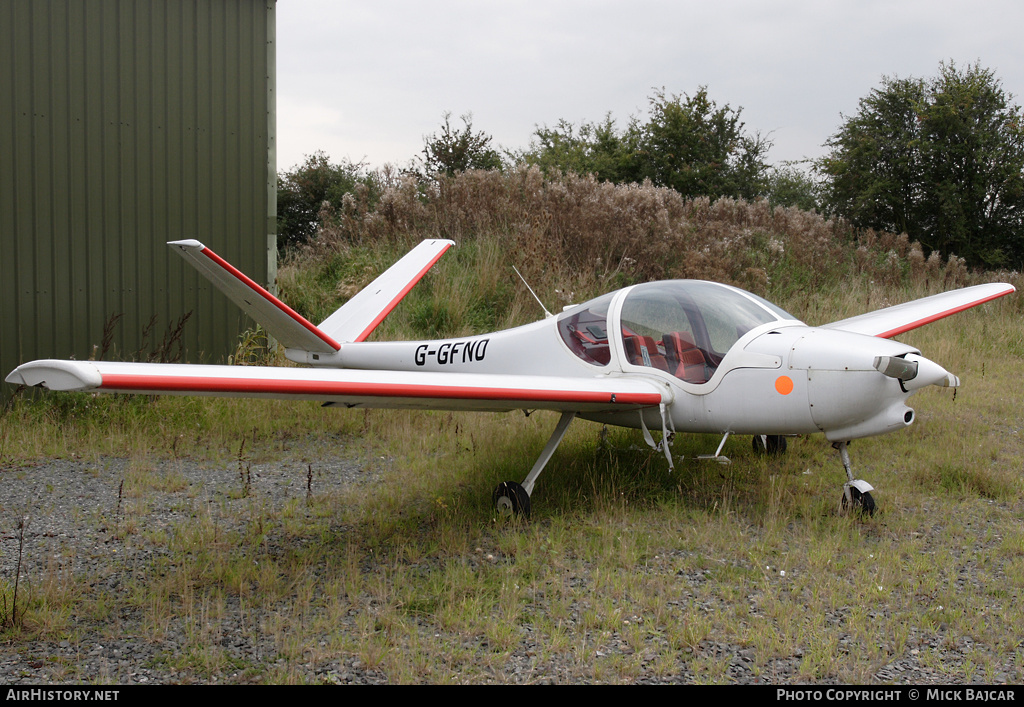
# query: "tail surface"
354,321
358,317
286,325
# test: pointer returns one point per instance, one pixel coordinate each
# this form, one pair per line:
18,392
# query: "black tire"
771,445
511,499
863,502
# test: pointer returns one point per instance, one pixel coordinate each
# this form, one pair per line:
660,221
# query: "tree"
694,146
454,150
875,173
593,148
788,185
941,160
302,191
689,144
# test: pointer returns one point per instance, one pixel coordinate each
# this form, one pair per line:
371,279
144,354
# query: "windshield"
686,327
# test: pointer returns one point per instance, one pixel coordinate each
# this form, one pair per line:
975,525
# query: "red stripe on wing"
117,381
941,315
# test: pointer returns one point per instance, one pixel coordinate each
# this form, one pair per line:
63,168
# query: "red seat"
643,351
683,355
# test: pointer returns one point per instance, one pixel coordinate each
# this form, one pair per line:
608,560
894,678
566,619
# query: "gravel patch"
75,514
73,507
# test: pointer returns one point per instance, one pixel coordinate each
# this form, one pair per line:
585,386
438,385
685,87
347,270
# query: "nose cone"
929,373
853,382
915,372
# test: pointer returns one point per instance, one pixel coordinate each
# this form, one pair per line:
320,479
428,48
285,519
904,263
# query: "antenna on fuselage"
547,314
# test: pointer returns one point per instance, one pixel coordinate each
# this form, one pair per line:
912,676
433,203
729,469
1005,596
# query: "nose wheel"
856,492
854,498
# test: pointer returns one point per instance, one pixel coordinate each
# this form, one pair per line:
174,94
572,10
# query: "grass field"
626,572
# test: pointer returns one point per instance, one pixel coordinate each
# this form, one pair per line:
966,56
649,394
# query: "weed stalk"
9,617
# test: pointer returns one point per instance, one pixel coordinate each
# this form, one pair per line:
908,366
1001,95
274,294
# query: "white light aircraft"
680,355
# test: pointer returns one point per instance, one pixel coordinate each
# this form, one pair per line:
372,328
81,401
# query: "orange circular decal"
784,384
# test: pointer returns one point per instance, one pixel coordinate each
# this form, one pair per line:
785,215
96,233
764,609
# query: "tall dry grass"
574,237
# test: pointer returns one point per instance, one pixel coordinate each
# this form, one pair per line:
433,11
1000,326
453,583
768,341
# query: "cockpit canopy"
684,327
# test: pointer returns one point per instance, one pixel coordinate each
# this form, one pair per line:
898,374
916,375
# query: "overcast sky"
368,80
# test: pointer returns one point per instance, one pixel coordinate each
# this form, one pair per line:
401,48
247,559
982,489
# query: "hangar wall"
125,124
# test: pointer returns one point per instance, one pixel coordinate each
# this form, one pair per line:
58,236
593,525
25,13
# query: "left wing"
893,321
353,388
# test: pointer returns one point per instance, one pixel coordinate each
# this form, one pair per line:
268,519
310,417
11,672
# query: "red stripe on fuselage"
176,384
270,298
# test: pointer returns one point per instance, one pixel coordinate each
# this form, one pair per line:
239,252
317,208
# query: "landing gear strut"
856,492
513,499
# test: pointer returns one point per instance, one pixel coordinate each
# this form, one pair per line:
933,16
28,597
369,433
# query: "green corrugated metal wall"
125,124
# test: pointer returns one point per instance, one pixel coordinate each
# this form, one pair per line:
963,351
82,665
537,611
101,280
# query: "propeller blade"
896,367
914,372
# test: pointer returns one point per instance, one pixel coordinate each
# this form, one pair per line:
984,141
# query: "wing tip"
57,375
186,243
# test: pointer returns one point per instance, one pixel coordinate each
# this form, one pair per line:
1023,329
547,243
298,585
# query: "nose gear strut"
856,492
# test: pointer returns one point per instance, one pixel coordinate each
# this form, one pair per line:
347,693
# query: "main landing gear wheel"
511,499
863,502
769,444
